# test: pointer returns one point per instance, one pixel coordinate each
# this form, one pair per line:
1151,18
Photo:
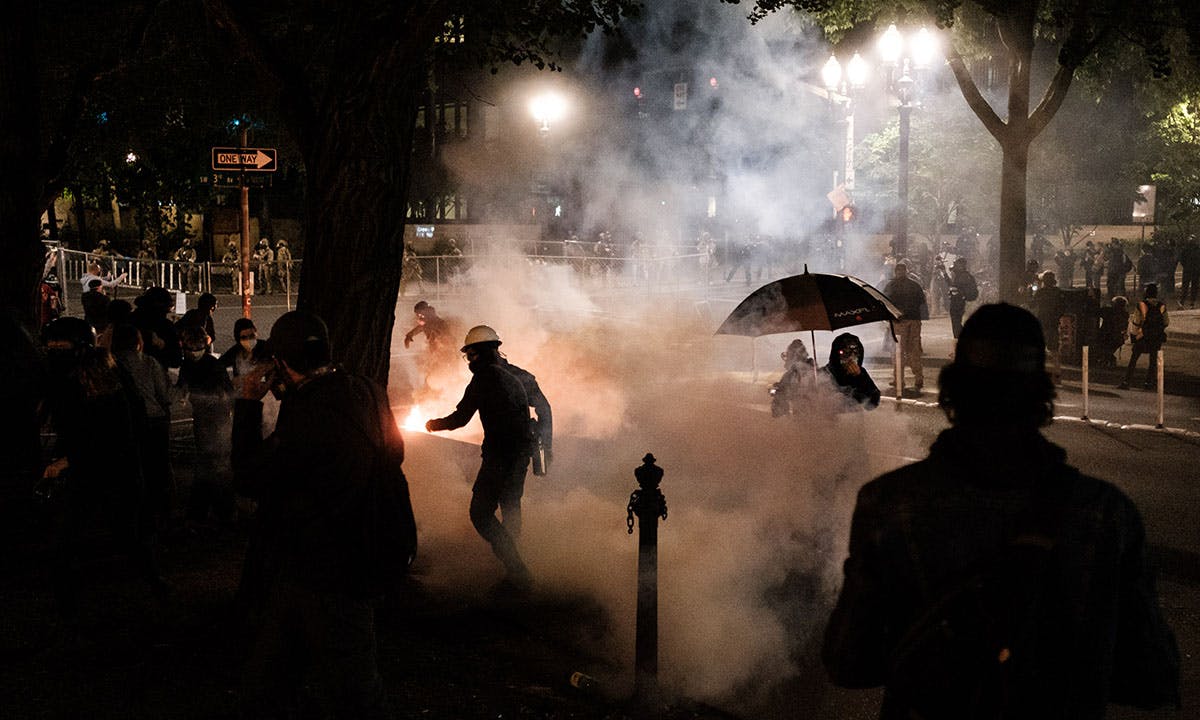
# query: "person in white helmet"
502,393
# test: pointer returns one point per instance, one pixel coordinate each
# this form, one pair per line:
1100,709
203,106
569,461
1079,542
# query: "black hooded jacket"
860,388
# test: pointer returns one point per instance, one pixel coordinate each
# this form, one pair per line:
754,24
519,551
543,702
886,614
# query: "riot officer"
264,258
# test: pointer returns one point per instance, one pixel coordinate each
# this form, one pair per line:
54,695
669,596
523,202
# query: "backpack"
977,642
970,289
1154,325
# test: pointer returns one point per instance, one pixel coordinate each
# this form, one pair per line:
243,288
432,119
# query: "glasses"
247,336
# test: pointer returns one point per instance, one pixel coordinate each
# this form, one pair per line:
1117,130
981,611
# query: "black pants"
1139,347
324,639
501,483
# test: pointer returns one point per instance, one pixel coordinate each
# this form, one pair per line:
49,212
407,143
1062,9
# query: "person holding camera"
502,393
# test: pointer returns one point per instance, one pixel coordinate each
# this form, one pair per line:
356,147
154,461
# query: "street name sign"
231,159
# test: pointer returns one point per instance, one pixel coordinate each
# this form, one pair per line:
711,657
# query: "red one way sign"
244,159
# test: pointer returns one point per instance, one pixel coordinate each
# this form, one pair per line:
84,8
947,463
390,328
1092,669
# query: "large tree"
45,98
347,79
1012,30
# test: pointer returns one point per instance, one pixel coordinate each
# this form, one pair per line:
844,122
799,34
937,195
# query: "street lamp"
841,86
547,108
922,49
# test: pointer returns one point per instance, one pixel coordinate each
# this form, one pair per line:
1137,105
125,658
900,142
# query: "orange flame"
415,420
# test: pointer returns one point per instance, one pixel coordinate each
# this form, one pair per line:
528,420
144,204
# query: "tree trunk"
1013,180
358,164
20,156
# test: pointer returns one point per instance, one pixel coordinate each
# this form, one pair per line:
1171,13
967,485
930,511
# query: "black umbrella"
811,301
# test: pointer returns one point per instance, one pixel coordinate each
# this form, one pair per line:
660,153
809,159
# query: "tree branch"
1056,91
975,99
293,93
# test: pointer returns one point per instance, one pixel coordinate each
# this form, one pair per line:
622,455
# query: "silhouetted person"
149,380
95,466
908,296
1114,329
993,490
787,395
962,290
1049,306
1148,331
159,337
308,574
502,393
95,305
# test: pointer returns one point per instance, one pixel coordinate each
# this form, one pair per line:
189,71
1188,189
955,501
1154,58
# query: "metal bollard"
1084,383
1159,382
648,504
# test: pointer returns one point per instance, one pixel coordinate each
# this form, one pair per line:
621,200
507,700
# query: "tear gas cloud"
759,506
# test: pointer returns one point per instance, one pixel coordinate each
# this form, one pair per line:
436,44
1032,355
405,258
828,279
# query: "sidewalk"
1107,403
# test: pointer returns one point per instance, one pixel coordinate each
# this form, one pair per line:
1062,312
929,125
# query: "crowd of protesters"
328,493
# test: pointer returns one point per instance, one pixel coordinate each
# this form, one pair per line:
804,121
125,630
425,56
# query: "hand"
853,368
258,381
55,468
407,341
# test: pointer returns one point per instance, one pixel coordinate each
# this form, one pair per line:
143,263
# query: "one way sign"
244,159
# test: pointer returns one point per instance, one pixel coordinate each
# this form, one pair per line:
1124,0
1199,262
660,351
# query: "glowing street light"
547,108
131,157
916,52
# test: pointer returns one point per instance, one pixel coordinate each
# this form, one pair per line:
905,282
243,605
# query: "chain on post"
633,501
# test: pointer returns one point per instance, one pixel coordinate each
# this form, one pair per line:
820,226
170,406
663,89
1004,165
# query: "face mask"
248,344
195,354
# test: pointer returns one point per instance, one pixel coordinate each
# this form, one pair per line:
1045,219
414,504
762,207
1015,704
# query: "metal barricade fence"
653,271
192,278
442,275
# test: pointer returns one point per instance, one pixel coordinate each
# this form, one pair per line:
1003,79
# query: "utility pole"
247,285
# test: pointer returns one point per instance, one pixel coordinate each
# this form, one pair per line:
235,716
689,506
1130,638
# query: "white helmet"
480,334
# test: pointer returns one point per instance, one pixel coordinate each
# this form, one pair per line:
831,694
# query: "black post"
648,504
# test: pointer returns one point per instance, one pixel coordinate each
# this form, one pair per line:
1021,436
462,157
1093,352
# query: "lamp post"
546,108
842,86
915,53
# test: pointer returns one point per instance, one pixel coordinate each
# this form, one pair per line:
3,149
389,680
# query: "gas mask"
195,355
850,355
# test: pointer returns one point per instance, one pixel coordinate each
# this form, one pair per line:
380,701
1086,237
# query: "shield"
812,301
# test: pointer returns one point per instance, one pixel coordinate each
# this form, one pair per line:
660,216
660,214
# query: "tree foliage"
1012,30
347,79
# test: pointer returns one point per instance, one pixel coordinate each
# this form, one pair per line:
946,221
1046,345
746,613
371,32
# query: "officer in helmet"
502,393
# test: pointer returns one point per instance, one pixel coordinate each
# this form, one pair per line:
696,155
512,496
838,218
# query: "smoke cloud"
759,507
